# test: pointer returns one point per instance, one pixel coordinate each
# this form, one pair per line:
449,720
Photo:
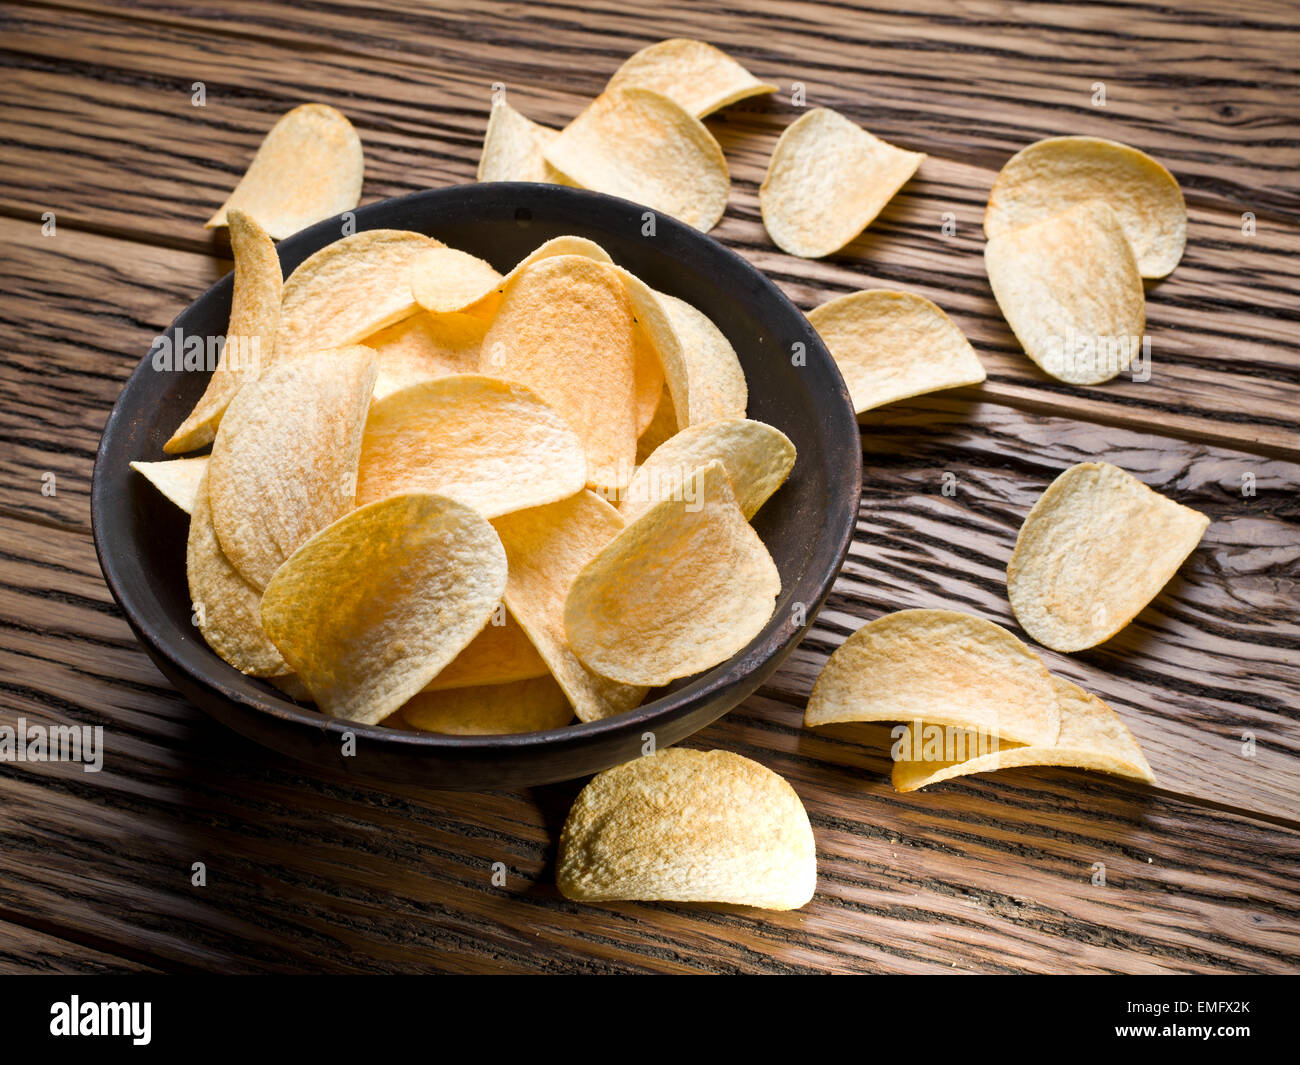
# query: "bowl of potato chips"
498,484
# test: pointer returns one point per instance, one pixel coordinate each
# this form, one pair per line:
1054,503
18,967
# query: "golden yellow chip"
446,279
682,588
1092,737
827,181
715,383
565,329
662,427
349,290
641,145
492,444
308,168
225,607
689,826
1069,288
656,332
546,547
177,479
1097,547
250,337
372,608
424,347
500,654
512,148
491,710
647,378
943,668
756,457
893,345
1051,175
699,77
285,460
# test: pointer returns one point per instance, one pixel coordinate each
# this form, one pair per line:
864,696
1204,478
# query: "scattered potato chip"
1051,175
492,444
250,337
284,463
308,168
226,607
757,459
565,329
177,479
372,608
492,710
512,148
715,383
1069,288
943,668
662,427
699,77
349,290
445,279
547,546
684,587
1097,547
894,345
827,181
643,146
424,347
500,654
1092,737
689,826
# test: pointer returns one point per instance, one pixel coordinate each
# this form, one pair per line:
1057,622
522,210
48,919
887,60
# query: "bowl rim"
753,663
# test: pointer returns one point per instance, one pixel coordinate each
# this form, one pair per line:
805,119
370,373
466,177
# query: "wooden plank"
1222,327
316,871
29,951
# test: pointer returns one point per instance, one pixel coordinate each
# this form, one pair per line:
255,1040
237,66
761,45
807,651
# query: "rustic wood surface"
310,871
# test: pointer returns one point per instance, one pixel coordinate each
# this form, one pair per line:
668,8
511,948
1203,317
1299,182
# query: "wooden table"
988,874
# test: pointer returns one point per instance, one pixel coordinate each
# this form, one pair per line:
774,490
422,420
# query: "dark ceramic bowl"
807,524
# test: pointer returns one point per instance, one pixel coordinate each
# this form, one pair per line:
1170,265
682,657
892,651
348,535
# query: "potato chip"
643,146
424,347
656,332
512,148
493,710
1069,288
682,588
250,337
1051,175
290,684
894,345
1097,547
715,383
565,329
493,445
943,668
349,290
308,168
827,181
647,378
446,279
662,427
225,606
1092,737
285,461
547,546
372,608
699,77
757,459
689,826
177,479
500,654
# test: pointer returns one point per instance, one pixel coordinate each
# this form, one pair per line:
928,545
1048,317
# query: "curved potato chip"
827,181
424,347
1069,288
643,146
493,445
684,587
177,479
1092,737
1097,547
491,710
662,427
250,337
1051,175
757,458
500,654
307,168
284,463
699,77
447,279
512,148
689,826
715,383
227,607
940,667
647,378
370,609
547,546
893,345
565,329
349,290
